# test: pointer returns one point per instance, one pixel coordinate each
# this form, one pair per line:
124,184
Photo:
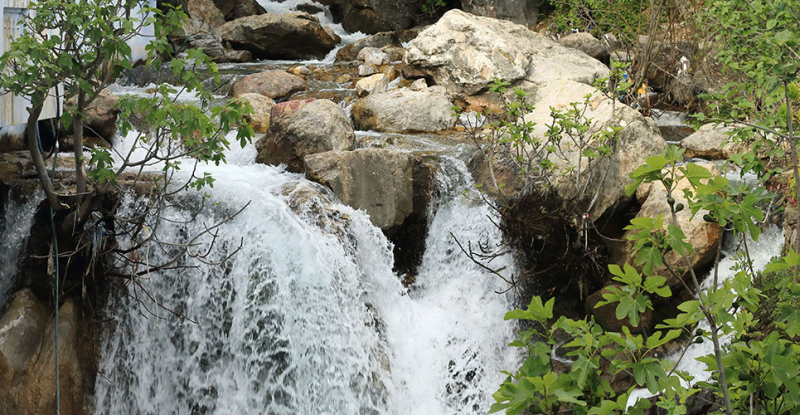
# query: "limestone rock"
301,128
373,16
711,142
280,36
587,44
418,85
372,85
378,40
372,56
274,84
262,107
464,53
638,140
366,70
390,185
403,110
204,16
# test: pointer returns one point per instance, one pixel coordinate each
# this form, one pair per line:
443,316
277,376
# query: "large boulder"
464,53
372,85
216,49
378,40
273,84
280,36
373,16
711,142
204,16
389,184
101,116
638,140
704,236
587,44
301,128
21,330
262,107
524,12
234,9
403,110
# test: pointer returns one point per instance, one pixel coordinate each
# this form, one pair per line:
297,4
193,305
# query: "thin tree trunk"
77,136
793,144
32,133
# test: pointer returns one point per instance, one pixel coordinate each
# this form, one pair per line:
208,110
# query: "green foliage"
599,17
432,7
756,372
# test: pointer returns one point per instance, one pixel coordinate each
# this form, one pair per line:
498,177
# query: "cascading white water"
16,229
308,317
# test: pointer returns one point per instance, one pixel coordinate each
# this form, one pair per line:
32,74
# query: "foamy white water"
17,223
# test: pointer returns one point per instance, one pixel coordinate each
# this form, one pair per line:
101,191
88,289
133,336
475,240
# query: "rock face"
27,359
390,185
234,9
403,111
284,36
262,107
378,40
301,128
587,44
638,140
272,84
464,53
215,48
606,315
524,12
703,236
101,116
21,330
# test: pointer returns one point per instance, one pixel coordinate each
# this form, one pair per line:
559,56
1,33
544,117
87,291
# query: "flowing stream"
16,224
308,316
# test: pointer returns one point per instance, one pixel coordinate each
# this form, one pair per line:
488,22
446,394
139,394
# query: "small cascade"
13,238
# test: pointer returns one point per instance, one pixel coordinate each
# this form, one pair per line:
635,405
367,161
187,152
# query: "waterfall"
16,223
307,317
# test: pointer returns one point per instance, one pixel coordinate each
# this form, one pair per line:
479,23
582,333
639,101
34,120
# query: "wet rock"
587,44
300,71
394,54
704,236
638,140
378,40
213,46
262,107
372,56
101,116
403,110
524,12
301,128
392,72
344,79
372,85
464,53
280,36
390,185
606,315
21,330
274,84
234,9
